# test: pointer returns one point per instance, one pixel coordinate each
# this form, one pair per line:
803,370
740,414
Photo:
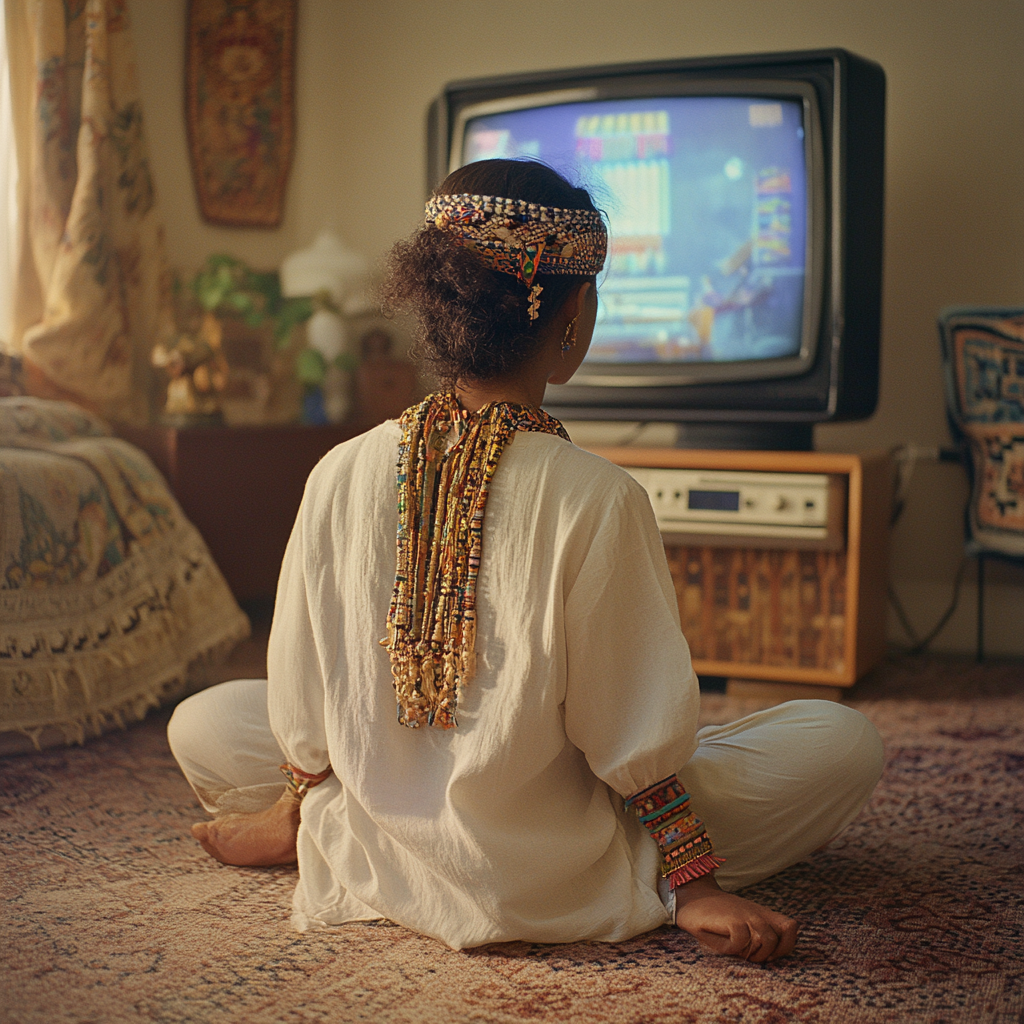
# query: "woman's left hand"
732,926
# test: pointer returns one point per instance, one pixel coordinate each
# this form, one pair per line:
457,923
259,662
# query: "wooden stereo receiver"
780,560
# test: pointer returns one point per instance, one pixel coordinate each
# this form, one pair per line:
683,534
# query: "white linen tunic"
511,826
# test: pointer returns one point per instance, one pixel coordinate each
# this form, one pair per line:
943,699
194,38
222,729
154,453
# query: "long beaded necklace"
442,493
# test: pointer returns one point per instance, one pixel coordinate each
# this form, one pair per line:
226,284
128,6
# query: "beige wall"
955,176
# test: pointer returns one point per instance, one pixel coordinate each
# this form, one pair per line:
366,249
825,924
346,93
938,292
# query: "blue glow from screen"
706,198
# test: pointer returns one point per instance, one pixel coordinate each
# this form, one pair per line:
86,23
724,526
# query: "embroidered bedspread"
107,592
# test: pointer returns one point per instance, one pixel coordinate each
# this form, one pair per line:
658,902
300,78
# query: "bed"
110,603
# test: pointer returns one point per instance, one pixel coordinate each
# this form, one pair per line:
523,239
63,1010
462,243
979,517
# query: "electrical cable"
905,462
906,456
901,614
921,644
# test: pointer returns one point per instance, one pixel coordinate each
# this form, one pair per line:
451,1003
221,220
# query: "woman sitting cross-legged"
518,757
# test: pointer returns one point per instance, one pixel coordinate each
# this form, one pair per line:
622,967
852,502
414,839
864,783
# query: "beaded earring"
569,339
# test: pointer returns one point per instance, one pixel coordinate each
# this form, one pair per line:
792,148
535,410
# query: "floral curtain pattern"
92,286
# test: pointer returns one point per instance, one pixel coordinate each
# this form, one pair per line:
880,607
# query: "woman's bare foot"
257,840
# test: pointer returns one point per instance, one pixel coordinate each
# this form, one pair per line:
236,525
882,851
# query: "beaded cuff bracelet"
299,782
686,850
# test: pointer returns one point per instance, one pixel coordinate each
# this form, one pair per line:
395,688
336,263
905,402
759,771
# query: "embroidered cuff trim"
695,869
686,849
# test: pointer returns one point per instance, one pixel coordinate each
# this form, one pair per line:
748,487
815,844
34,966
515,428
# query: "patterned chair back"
983,351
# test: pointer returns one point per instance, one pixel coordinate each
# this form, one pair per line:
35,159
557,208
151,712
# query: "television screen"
745,195
707,203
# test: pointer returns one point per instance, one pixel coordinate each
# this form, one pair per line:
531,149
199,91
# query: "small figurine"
197,374
11,374
385,386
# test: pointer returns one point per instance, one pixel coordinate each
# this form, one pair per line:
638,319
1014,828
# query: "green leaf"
217,260
225,275
228,284
292,312
268,285
209,293
297,309
310,368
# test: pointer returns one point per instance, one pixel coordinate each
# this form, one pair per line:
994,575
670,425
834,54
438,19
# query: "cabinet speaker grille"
762,606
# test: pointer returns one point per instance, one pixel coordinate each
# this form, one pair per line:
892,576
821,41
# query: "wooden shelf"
845,615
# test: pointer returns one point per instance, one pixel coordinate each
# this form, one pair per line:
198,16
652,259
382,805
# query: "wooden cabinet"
753,610
241,487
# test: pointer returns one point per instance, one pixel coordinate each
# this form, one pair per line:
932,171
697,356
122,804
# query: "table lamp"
328,265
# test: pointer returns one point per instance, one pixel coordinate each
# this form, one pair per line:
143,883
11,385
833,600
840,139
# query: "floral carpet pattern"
113,914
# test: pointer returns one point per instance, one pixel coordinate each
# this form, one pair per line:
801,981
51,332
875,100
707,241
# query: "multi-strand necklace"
446,462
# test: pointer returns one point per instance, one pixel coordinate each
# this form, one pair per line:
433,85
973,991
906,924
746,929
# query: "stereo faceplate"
752,505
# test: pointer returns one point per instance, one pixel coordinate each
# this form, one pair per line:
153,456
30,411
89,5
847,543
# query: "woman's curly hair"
473,322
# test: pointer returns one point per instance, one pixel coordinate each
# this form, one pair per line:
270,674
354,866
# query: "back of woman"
577,641
477,680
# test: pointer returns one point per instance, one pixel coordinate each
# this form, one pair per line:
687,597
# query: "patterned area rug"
112,913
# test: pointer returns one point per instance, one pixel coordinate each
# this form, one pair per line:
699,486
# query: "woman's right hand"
732,926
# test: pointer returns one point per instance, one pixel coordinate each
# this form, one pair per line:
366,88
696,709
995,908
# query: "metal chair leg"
981,608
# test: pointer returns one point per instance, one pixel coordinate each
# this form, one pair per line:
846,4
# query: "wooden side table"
241,487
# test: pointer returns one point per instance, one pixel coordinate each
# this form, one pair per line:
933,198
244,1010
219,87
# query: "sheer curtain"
91,287
8,195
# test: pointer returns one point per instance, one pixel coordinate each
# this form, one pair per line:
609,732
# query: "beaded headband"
523,239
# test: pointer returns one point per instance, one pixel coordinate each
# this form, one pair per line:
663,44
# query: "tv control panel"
806,508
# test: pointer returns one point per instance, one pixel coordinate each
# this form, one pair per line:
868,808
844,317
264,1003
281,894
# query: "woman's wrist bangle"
300,782
686,850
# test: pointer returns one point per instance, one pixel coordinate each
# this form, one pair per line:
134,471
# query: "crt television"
744,196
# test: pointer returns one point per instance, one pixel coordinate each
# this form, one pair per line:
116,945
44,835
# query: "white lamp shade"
327,265
326,333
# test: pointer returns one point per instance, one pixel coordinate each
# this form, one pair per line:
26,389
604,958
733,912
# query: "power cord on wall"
920,644
906,457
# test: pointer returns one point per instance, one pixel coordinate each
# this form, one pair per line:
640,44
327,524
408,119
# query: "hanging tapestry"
239,107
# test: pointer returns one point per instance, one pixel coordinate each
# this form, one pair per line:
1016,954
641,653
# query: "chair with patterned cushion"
983,352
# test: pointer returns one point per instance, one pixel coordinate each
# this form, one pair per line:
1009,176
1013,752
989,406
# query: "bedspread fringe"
84,659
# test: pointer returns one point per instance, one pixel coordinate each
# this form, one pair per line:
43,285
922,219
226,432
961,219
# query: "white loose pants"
771,787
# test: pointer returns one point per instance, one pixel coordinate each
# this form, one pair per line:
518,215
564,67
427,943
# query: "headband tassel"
534,307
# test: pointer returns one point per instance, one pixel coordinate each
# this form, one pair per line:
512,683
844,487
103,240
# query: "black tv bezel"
648,375
842,380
